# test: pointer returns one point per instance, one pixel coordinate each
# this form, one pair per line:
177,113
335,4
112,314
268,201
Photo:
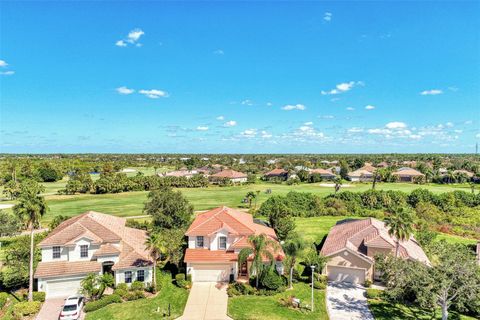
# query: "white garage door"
211,272
63,288
346,274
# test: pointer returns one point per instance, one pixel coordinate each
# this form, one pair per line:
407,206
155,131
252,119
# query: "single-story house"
352,245
215,239
277,173
360,176
368,167
382,164
181,173
325,174
210,169
407,174
465,172
232,175
92,242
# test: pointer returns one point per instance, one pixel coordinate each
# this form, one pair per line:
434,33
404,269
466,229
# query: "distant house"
181,173
301,168
277,173
465,172
360,175
368,167
215,239
324,174
407,174
410,163
382,164
232,175
352,245
92,242
211,169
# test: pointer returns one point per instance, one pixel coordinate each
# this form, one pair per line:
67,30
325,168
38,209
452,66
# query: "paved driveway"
347,301
207,301
51,310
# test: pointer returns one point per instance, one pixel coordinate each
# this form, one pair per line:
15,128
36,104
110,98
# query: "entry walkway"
207,301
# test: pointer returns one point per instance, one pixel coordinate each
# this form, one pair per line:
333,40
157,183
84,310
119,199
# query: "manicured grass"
147,308
316,228
455,239
269,307
383,310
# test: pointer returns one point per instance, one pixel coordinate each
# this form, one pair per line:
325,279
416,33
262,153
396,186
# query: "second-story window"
84,251
222,243
199,243
56,253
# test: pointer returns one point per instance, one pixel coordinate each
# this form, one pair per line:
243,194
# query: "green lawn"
269,307
383,310
147,308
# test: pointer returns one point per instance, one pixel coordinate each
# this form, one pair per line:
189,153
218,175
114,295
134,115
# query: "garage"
211,272
346,274
62,288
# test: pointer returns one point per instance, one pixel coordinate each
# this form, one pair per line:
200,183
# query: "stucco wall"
347,259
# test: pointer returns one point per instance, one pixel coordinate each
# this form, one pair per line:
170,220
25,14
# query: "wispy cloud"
343,87
3,64
231,123
202,128
154,93
327,16
369,107
350,108
124,90
219,52
289,107
396,125
220,118
249,133
7,73
431,92
132,38
247,102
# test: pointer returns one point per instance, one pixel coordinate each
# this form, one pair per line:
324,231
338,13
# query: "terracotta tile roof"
322,172
465,172
407,172
357,235
106,250
205,255
181,173
229,174
65,268
360,173
211,221
368,167
277,172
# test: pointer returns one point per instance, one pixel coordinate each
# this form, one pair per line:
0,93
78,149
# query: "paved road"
347,301
207,301
51,310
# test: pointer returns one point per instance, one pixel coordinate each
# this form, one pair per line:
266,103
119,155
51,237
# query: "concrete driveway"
346,301
207,301
51,310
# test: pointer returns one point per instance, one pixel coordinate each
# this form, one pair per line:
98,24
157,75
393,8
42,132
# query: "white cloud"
327,117
289,107
247,102
269,104
468,122
309,123
124,90
3,64
369,107
154,93
249,133
477,136
431,92
355,130
220,118
449,124
7,73
132,38
379,131
202,128
219,52
350,108
342,87
327,16
230,123
266,135
396,125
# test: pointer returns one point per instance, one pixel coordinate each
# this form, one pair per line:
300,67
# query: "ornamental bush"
3,299
137,286
26,308
373,293
271,280
39,296
106,300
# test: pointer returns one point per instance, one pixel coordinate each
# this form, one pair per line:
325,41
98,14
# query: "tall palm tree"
261,247
250,196
400,225
292,248
30,209
338,184
152,245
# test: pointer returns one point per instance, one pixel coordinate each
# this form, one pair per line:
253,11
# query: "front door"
107,267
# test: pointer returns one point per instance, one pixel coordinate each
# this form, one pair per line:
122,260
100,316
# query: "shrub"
271,280
319,285
367,284
189,277
106,300
39,296
122,286
26,308
137,286
237,289
181,282
121,292
3,299
373,293
134,295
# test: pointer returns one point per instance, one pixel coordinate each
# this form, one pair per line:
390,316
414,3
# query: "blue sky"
253,77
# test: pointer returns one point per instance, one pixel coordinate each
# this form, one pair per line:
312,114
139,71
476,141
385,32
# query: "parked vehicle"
72,308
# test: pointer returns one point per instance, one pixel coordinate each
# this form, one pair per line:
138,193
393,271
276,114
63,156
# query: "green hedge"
3,299
39,296
106,300
374,293
26,308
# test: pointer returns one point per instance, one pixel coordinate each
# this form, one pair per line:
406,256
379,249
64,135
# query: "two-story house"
214,240
91,243
351,247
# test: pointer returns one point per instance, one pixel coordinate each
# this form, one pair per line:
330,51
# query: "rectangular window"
128,276
84,251
56,252
222,243
141,275
199,241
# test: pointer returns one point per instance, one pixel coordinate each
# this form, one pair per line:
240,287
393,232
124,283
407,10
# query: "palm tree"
256,197
338,184
30,209
152,245
261,247
250,196
292,248
104,281
400,226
